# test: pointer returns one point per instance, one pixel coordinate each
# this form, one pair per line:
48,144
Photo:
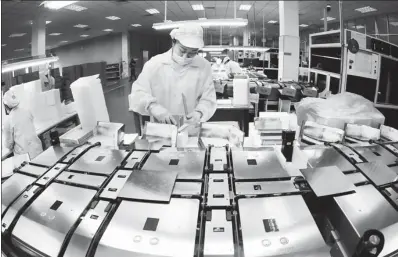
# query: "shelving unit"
113,73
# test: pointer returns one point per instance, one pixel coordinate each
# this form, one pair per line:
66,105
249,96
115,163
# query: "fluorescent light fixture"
3,44
54,34
303,25
366,9
107,30
203,18
245,7
19,50
48,22
136,25
238,22
65,41
248,48
328,18
214,48
113,18
152,11
272,21
80,26
17,35
76,8
55,5
26,64
198,7
360,27
84,35
394,23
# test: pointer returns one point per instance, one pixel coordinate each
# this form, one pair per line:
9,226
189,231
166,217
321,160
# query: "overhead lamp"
17,35
80,26
84,35
113,18
54,34
328,18
136,25
48,22
245,7
65,41
303,25
3,44
249,48
19,50
198,7
56,5
152,11
108,30
272,21
76,8
26,64
360,26
366,9
238,22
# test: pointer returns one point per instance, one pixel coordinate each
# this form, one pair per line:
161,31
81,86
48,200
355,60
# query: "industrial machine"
222,201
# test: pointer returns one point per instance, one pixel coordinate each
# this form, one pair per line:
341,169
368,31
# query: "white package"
240,91
90,101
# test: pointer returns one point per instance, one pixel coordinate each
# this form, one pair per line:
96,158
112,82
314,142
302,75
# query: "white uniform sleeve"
207,103
8,134
141,94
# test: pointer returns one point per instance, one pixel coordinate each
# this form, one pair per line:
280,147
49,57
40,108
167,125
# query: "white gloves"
161,114
194,117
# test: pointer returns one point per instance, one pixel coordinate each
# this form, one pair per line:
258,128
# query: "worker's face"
184,51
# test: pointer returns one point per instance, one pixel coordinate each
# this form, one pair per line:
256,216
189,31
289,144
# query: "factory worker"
231,66
19,132
165,77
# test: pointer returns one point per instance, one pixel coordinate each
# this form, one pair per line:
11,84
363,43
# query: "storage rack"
112,73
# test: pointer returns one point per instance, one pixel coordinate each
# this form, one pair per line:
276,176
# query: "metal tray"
377,153
218,158
151,230
277,228
134,159
265,187
149,185
12,187
356,213
99,161
378,172
50,174
187,188
392,194
72,155
257,165
88,227
218,193
394,168
46,222
33,170
322,157
81,179
189,165
326,181
356,177
218,236
52,155
115,185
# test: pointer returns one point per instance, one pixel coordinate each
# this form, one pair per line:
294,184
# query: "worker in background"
133,63
19,131
165,77
231,66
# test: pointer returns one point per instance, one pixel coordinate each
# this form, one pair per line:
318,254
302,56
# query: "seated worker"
165,77
19,131
231,66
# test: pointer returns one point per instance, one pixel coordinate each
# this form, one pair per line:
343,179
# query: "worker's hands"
161,114
194,117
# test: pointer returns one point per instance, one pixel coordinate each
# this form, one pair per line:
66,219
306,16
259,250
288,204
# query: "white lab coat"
232,67
20,133
163,82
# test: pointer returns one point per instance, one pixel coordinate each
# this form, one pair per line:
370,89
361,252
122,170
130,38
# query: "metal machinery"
90,201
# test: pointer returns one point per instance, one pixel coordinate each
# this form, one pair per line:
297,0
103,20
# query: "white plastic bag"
338,110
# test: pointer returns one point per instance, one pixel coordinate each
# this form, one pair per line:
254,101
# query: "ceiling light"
366,9
394,23
303,25
55,5
80,26
3,44
26,64
248,48
19,50
198,7
107,30
113,18
360,26
17,35
76,8
84,35
136,25
213,48
65,41
245,7
272,21
328,18
48,22
54,34
238,22
152,11
203,18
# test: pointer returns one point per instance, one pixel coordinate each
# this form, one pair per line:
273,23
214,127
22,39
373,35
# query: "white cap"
226,59
189,35
10,99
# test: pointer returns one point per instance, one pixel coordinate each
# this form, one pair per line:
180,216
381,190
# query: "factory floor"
116,98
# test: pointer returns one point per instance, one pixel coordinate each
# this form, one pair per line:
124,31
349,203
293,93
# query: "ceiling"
17,15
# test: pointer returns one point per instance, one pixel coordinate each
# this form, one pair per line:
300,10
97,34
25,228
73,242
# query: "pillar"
38,44
289,41
126,54
246,36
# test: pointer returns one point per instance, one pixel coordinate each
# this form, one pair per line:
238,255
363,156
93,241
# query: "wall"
100,49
